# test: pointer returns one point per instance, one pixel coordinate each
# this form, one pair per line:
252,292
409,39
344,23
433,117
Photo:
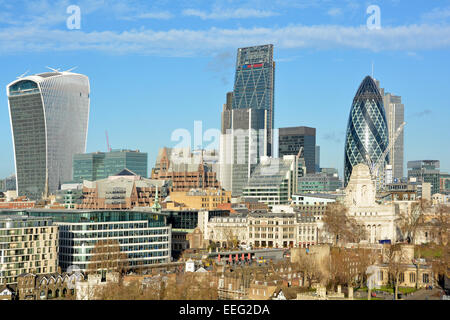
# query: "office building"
292,139
201,199
123,191
49,115
317,158
143,236
425,171
274,180
243,144
8,183
255,83
395,116
247,118
185,169
101,165
27,245
367,133
319,182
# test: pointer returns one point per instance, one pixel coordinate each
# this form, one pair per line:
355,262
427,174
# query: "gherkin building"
367,133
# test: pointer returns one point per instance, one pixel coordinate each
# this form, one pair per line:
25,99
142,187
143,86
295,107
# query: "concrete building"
187,170
395,116
229,231
201,199
242,144
27,244
101,165
273,181
49,115
272,230
292,139
379,220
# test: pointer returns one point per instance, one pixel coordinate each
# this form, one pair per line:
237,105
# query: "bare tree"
340,225
409,222
394,258
106,256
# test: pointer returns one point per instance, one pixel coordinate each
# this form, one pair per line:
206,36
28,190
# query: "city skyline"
416,72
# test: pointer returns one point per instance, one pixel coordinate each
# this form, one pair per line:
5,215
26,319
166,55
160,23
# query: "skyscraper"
242,143
49,115
247,117
395,116
367,132
292,139
254,84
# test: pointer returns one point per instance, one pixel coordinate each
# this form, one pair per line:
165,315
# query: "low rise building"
27,244
143,236
201,199
124,191
273,181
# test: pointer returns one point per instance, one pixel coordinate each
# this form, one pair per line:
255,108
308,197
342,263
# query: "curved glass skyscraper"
367,133
49,115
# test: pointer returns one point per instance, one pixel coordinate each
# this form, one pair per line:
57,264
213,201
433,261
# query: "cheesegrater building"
49,115
367,132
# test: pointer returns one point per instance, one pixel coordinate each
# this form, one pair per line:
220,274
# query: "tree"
409,222
340,225
395,260
106,256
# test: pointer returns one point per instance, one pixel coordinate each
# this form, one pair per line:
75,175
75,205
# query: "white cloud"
437,15
163,15
239,13
184,42
334,12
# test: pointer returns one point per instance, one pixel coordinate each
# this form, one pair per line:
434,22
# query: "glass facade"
367,131
100,165
292,139
49,117
254,84
144,236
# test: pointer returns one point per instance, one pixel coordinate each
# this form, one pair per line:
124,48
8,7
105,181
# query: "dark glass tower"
254,84
367,133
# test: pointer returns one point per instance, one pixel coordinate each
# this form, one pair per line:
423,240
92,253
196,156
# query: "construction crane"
375,166
107,142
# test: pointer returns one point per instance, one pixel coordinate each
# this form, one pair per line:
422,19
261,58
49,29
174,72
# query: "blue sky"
157,66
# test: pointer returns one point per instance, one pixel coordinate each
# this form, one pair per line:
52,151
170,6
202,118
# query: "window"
412,277
425,278
401,277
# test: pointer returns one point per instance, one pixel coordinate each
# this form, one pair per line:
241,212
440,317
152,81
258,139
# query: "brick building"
186,170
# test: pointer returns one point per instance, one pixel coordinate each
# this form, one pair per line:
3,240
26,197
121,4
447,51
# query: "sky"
158,66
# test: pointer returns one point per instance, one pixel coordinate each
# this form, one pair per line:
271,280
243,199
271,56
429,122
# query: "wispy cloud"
423,113
163,15
437,15
334,12
239,13
185,42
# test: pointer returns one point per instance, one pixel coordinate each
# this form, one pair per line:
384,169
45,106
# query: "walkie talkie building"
367,132
49,115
